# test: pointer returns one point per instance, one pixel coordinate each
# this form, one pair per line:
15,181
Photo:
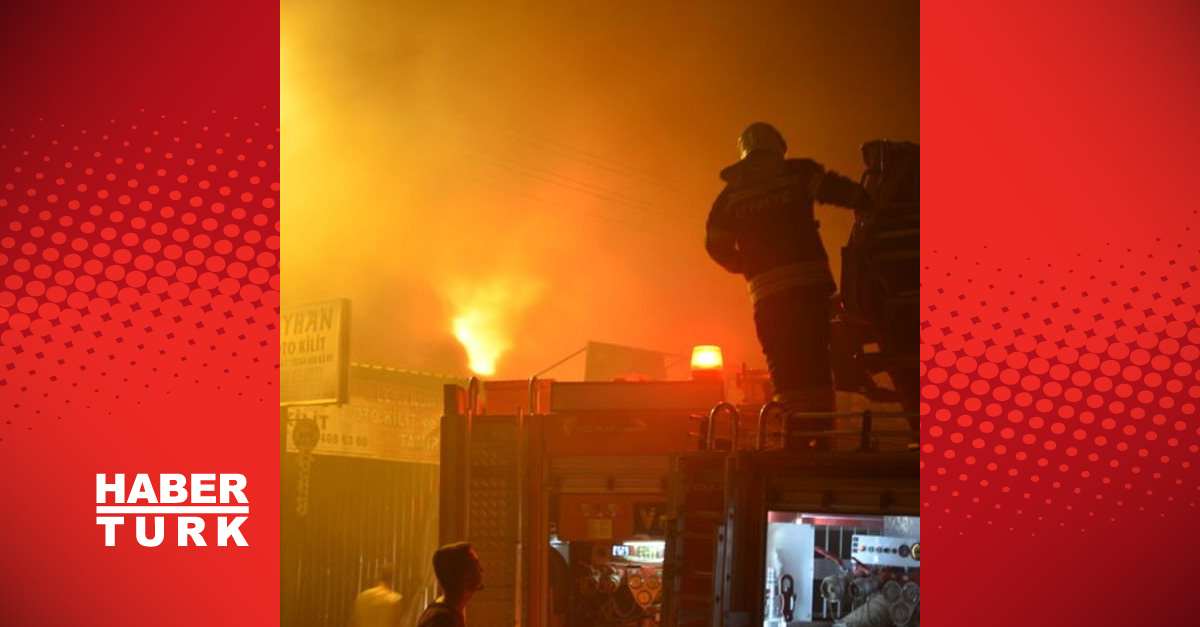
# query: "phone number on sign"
335,439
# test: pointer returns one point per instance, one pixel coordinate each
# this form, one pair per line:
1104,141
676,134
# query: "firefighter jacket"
762,224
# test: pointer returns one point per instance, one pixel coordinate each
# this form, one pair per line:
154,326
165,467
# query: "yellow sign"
599,529
314,347
389,414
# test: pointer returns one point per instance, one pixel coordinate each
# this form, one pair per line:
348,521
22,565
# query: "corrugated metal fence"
362,513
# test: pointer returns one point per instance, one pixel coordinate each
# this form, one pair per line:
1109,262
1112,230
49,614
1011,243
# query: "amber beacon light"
707,362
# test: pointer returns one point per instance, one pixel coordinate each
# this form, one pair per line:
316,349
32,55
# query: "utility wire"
613,220
631,173
566,150
598,188
577,186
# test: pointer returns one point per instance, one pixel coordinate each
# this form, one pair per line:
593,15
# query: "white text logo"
186,498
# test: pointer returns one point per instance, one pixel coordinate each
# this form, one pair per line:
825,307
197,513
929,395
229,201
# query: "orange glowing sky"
558,158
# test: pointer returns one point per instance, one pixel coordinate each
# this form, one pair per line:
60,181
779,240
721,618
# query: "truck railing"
473,387
773,411
768,411
711,427
533,395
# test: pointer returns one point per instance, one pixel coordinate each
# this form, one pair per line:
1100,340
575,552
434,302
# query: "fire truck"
645,504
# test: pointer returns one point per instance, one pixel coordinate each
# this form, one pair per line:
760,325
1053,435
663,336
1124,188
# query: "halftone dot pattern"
125,275
1060,396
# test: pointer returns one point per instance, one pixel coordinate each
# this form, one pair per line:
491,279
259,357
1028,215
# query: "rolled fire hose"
833,588
892,591
874,612
901,613
862,587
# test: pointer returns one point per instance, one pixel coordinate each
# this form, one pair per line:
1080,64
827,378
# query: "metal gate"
362,513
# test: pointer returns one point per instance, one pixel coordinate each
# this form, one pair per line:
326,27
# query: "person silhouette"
762,226
379,605
460,575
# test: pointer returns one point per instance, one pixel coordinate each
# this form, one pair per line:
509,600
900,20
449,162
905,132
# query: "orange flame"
486,316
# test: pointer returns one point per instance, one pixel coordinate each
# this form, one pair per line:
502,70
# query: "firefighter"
762,227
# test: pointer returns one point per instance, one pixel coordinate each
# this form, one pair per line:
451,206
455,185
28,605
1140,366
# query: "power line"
598,188
619,222
573,184
633,173
582,188
571,152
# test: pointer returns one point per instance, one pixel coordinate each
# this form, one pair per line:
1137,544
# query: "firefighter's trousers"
793,329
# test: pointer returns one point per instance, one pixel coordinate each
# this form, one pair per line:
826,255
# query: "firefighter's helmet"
761,136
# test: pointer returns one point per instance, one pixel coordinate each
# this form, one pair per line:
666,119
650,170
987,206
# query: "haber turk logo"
185,498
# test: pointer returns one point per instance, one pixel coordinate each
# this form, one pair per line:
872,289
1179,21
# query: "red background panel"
1059,328
139,278
1058,306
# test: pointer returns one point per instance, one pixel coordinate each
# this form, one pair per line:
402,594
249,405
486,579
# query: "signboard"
314,346
390,414
648,519
609,517
609,362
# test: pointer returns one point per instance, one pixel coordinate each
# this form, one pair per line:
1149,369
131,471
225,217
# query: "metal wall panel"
493,523
362,513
